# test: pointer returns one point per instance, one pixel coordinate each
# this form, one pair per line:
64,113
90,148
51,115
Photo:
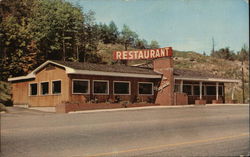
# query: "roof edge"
117,74
20,78
32,73
208,79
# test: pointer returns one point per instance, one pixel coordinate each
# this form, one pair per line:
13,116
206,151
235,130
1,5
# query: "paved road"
193,131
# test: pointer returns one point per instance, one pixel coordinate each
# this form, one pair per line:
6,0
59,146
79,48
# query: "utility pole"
243,82
212,45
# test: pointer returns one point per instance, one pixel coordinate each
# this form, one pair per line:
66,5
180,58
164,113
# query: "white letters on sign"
143,54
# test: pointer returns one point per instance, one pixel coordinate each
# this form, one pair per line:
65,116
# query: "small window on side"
56,87
44,88
33,89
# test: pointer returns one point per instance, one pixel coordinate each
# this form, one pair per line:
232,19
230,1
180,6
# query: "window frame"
37,89
72,88
52,86
93,87
203,90
129,90
222,92
191,89
138,89
175,85
41,88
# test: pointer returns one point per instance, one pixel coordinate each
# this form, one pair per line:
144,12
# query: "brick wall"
165,89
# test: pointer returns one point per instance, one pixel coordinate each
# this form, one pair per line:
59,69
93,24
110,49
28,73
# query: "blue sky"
187,25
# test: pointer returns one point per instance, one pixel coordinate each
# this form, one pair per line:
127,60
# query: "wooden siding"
20,93
20,90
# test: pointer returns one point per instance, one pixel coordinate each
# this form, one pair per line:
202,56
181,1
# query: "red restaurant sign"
143,54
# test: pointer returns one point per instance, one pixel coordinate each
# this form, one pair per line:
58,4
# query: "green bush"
2,108
5,94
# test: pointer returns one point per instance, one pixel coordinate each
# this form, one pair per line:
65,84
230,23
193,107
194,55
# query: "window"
56,87
100,87
187,89
80,86
211,90
220,90
122,88
146,88
197,90
44,88
33,89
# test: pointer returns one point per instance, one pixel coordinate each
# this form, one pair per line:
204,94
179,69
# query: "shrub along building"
70,86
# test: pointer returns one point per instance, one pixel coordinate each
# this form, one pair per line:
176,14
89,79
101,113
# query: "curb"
152,107
129,109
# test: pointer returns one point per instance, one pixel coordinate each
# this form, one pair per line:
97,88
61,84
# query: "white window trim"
94,87
129,90
52,86
40,93
37,92
152,84
72,88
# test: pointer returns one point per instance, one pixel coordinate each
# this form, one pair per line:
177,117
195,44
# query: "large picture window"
80,86
56,87
33,89
146,88
44,88
122,88
100,87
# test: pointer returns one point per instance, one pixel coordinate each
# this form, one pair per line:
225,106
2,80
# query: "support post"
217,91
181,90
233,92
200,90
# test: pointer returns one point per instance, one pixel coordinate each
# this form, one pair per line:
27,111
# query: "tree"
113,32
34,31
244,53
224,53
55,25
141,44
154,44
128,37
18,49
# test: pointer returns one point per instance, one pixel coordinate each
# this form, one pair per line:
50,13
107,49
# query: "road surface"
191,131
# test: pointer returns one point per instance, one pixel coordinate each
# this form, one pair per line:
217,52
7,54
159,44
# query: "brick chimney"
165,91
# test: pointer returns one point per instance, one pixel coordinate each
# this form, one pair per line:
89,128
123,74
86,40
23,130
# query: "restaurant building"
71,86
